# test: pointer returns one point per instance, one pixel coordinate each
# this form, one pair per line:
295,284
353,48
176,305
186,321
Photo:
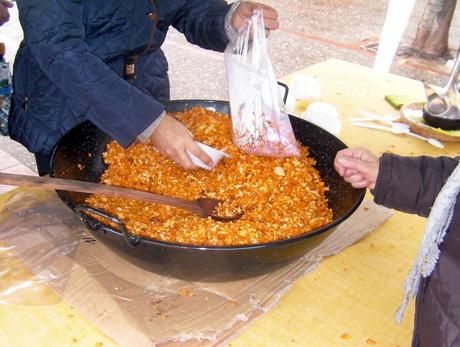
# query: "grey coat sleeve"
411,184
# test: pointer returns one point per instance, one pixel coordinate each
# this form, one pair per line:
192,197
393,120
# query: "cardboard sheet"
133,306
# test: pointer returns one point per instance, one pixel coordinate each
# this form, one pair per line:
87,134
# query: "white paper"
215,155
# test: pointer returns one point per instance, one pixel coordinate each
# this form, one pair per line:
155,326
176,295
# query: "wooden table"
349,300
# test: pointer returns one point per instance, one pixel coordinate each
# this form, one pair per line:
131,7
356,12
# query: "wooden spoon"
203,207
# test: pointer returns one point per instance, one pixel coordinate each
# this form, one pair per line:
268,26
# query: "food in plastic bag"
260,122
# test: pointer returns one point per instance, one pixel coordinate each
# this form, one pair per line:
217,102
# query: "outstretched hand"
357,166
173,139
245,10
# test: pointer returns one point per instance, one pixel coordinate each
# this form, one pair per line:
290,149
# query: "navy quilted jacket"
69,67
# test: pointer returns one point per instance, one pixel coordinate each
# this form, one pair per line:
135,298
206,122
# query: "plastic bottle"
5,91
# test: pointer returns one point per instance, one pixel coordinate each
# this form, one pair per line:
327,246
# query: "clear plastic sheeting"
33,231
43,246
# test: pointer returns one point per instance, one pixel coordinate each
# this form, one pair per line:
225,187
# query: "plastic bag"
260,122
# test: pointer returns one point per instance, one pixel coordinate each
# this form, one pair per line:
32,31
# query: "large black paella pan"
83,147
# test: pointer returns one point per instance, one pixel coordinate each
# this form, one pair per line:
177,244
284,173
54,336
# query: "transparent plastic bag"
260,122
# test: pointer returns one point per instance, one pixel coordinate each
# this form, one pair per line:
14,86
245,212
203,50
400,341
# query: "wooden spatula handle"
91,188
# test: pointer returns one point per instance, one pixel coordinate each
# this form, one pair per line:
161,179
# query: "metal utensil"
400,129
204,207
442,109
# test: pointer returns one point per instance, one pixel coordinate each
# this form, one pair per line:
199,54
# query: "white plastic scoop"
368,116
400,129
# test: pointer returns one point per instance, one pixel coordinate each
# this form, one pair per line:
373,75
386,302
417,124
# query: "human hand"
357,166
173,139
245,10
4,14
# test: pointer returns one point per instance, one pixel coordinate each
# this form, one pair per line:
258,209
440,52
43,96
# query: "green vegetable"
397,100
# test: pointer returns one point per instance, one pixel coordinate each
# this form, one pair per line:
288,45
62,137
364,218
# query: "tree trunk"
432,36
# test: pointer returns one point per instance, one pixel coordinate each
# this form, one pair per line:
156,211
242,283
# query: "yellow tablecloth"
348,301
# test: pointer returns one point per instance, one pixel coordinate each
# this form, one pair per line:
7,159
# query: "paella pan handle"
83,212
286,90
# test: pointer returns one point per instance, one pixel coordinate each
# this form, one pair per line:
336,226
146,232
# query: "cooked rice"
281,197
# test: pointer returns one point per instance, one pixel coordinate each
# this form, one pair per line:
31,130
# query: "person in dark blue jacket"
101,61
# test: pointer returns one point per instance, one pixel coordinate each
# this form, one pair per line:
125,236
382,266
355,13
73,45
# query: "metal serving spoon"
203,207
442,109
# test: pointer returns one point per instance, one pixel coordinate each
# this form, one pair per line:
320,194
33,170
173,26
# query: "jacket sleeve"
54,32
411,184
203,23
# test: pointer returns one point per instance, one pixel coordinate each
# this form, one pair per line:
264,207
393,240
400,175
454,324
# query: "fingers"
345,172
246,9
271,24
352,156
200,154
173,140
357,166
354,179
4,15
353,165
359,181
183,160
181,156
340,163
359,153
6,3
269,12
178,155
352,152
350,172
270,15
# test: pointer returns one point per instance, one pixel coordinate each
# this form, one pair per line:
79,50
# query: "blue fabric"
69,66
